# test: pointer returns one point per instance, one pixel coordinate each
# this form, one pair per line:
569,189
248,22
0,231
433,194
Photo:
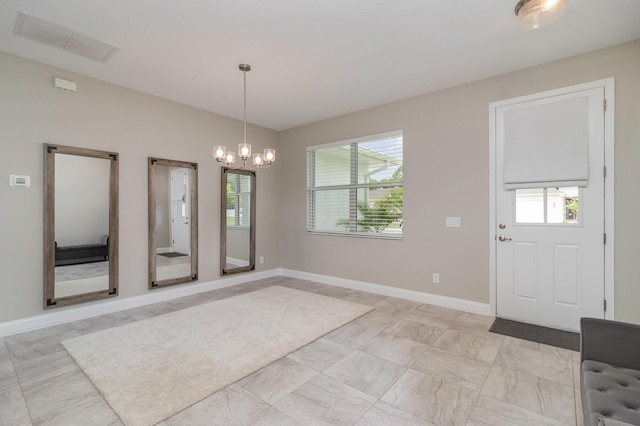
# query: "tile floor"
404,363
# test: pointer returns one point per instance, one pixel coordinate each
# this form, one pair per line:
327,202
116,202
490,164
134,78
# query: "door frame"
608,84
171,212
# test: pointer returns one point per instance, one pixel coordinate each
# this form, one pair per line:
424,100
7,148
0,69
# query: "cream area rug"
151,369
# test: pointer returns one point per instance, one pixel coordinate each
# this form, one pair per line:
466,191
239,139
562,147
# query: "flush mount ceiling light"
260,159
534,14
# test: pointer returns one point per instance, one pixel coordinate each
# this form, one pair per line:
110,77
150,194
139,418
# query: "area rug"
536,333
151,369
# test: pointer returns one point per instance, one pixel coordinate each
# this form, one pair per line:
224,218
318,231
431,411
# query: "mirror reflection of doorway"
173,222
180,209
173,253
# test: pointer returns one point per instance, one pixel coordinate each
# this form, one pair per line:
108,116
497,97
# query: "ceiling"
311,59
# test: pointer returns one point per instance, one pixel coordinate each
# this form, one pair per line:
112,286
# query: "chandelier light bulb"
230,158
245,150
219,152
258,160
269,155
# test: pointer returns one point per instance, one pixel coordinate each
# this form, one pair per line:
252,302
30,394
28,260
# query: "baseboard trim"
401,293
108,306
75,313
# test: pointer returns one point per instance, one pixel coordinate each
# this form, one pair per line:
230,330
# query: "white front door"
180,210
550,248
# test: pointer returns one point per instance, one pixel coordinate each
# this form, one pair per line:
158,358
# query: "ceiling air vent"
55,35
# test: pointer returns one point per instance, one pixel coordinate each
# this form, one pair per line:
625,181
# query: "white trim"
378,136
69,314
609,202
75,313
161,250
401,293
609,85
493,280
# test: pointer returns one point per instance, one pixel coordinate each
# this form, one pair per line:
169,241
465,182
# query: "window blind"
354,187
547,145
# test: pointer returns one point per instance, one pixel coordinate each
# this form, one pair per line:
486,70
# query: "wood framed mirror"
173,222
237,221
80,225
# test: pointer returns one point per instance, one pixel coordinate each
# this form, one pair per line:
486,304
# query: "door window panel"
548,206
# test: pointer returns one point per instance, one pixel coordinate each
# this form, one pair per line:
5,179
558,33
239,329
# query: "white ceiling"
311,59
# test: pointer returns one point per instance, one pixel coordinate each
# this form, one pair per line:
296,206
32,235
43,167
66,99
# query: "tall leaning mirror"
80,225
173,222
238,221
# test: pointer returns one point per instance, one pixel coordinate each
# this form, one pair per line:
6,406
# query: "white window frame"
353,188
236,194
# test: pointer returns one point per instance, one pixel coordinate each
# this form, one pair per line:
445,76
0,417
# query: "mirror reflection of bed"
82,225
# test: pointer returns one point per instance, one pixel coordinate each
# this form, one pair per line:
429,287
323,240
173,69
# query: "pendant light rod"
245,68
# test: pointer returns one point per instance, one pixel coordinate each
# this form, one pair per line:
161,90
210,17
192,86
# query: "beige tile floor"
404,363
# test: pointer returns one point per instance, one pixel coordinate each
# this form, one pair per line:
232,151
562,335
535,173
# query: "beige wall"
107,117
446,173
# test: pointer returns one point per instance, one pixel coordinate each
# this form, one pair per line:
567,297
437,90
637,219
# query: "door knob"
503,238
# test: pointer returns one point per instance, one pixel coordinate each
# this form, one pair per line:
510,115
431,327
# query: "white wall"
238,245
137,126
163,207
446,173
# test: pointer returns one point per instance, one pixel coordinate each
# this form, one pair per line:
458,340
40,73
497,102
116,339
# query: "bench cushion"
609,391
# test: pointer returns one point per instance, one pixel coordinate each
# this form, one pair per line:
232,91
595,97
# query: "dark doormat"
536,333
172,254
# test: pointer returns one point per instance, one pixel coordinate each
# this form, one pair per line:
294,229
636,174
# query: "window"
562,205
238,200
354,187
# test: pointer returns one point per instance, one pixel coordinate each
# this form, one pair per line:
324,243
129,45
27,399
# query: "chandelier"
260,159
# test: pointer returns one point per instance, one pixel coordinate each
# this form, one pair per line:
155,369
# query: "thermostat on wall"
19,180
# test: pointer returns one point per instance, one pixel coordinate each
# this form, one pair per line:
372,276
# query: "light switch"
19,180
453,222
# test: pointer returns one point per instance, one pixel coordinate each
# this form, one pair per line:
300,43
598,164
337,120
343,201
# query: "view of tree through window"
355,187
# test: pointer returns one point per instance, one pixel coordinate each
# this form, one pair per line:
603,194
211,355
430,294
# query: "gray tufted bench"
610,379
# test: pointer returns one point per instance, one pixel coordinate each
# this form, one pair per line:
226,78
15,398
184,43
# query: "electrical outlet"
453,222
436,278
261,259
